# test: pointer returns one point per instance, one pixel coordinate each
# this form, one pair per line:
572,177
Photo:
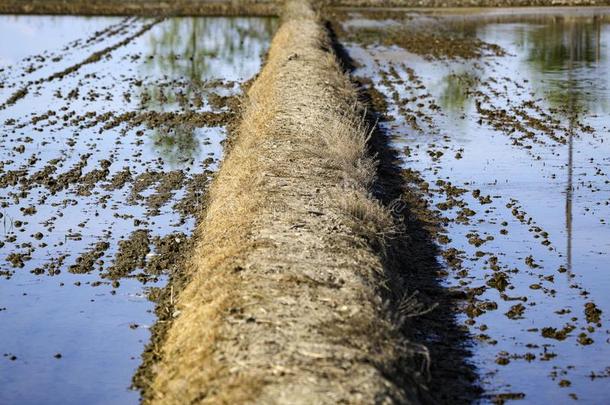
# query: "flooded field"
502,118
110,131
112,128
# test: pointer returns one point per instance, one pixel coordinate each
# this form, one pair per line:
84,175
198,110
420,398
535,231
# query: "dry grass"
283,303
223,242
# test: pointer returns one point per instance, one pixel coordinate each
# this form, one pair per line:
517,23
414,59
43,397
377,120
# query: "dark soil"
433,39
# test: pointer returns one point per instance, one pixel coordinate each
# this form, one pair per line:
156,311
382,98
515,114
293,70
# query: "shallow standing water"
110,131
510,146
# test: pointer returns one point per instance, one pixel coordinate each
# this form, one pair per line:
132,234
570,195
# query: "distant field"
244,7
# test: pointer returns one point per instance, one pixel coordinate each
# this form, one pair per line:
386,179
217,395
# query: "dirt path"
284,302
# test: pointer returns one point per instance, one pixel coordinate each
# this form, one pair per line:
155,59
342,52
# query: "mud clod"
131,255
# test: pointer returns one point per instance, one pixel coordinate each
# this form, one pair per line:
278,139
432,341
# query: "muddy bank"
143,7
296,290
247,7
462,3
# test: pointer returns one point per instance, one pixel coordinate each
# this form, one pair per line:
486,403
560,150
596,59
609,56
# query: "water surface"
514,153
104,162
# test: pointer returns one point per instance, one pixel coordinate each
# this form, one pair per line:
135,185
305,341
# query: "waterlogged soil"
109,139
504,134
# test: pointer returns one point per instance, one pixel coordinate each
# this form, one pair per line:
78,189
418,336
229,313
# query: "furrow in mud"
33,63
94,57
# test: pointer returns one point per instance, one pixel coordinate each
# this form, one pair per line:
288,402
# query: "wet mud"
430,37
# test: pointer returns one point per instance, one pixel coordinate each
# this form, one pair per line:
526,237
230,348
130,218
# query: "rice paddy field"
104,168
112,130
505,133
